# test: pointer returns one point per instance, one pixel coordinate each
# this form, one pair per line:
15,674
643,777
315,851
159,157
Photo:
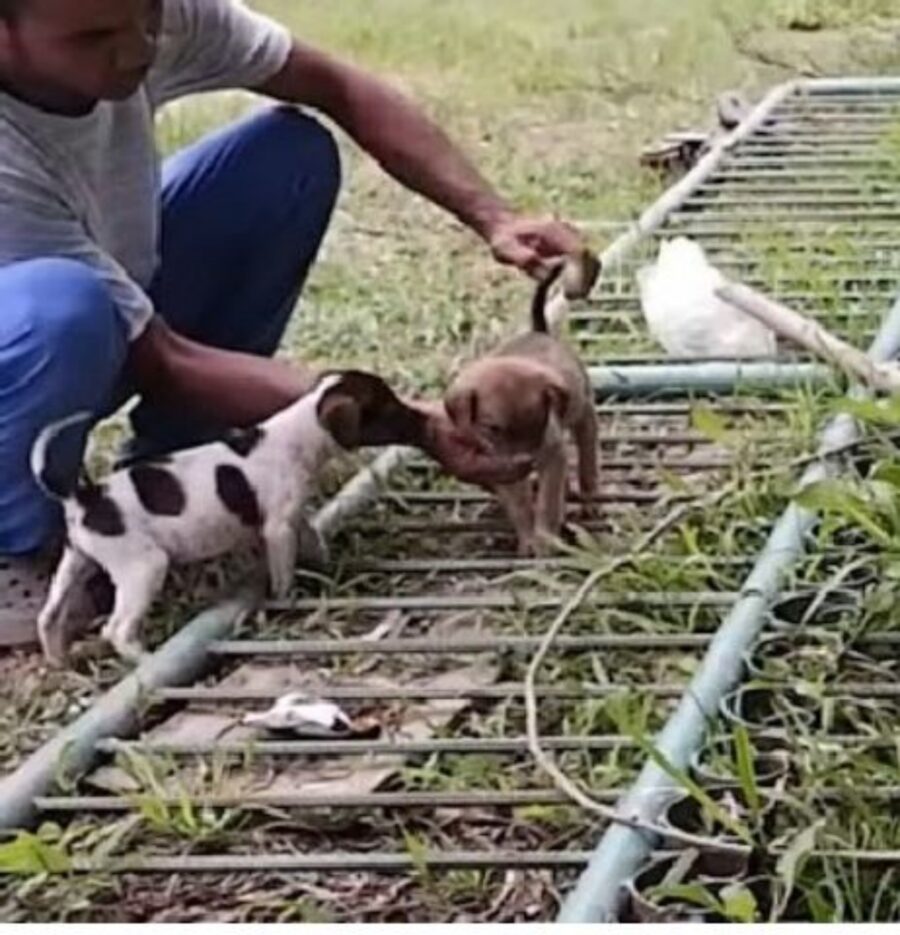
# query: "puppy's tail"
54,481
579,275
539,323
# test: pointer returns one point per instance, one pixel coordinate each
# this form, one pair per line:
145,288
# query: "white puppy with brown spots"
201,503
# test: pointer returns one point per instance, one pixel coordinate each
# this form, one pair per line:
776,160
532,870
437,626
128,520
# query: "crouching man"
119,277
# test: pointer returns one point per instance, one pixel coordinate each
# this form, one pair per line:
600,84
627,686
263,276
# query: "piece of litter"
391,625
302,715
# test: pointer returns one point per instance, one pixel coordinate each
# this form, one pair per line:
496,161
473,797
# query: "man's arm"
232,388
226,387
417,153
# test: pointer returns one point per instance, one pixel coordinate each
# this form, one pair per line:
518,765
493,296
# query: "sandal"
23,588
24,581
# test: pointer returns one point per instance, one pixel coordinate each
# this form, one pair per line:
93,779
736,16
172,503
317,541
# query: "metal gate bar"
645,441
598,894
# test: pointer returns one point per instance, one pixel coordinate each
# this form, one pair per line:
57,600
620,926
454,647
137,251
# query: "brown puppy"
522,399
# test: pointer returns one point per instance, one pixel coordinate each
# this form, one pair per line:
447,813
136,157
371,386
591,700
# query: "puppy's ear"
462,407
340,415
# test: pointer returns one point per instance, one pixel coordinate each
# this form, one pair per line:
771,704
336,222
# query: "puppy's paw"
588,510
56,656
131,651
280,586
312,549
527,547
54,644
545,543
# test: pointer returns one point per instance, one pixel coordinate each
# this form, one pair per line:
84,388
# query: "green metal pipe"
179,662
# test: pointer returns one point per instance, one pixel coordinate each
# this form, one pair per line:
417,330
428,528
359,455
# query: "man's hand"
416,152
463,455
533,245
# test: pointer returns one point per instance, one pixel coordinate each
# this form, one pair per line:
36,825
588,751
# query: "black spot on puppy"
238,495
159,491
243,441
101,513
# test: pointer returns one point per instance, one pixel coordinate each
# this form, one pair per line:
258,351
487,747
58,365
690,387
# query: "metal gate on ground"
436,807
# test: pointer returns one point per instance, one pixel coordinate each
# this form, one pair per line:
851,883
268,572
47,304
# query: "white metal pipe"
817,87
657,214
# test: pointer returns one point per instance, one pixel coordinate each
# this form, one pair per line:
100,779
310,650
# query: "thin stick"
830,586
543,759
811,336
854,447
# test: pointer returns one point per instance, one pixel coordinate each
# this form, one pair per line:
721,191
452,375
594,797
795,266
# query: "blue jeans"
243,214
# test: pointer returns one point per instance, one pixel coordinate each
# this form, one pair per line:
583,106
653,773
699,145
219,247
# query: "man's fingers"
558,240
538,268
475,443
490,470
502,471
517,253
520,467
536,247
531,262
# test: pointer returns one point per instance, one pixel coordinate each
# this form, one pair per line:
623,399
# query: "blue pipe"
706,377
622,850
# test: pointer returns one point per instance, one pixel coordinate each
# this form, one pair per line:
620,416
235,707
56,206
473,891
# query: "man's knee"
304,146
62,346
65,304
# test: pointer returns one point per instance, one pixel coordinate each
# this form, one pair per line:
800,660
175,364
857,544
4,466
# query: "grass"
554,105
183,827
830,798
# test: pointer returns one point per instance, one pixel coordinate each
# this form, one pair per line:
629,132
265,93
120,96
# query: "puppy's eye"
496,431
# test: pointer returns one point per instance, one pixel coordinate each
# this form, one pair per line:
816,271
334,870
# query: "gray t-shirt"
87,188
